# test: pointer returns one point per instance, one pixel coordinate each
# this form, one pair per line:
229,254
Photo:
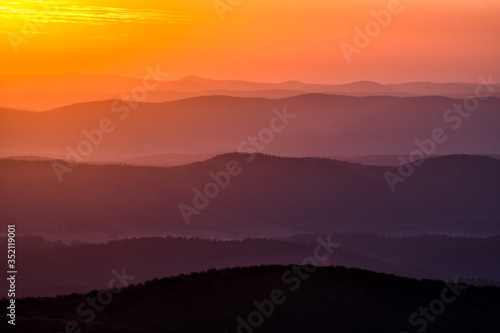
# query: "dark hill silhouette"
327,299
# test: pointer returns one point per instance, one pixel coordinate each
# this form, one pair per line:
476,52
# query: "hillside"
320,125
53,268
270,196
306,299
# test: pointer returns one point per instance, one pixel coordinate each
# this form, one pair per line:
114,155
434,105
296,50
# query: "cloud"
69,12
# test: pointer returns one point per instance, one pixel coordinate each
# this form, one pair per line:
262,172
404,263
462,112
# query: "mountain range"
319,125
269,197
45,92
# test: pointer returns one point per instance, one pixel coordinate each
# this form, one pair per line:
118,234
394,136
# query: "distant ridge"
325,125
40,93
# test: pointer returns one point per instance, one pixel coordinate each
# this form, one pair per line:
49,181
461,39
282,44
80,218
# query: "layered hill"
44,92
54,268
269,299
268,196
317,125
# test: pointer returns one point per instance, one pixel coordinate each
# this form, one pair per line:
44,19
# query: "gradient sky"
259,40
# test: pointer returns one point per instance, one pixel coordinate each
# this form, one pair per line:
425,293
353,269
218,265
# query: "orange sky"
259,40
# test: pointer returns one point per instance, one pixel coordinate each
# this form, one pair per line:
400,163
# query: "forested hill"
305,299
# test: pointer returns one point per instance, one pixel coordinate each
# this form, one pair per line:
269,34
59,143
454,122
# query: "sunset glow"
256,40
250,166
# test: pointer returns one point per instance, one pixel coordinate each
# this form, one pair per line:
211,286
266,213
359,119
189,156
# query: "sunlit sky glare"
258,40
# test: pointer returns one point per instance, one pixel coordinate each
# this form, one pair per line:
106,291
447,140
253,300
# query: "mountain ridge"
272,197
329,125
46,92
305,298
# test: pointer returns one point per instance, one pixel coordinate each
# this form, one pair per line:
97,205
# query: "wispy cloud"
72,13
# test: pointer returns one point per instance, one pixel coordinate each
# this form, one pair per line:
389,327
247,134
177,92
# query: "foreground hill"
52,268
319,125
306,299
270,196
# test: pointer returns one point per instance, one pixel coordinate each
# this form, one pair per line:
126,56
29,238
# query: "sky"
255,40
